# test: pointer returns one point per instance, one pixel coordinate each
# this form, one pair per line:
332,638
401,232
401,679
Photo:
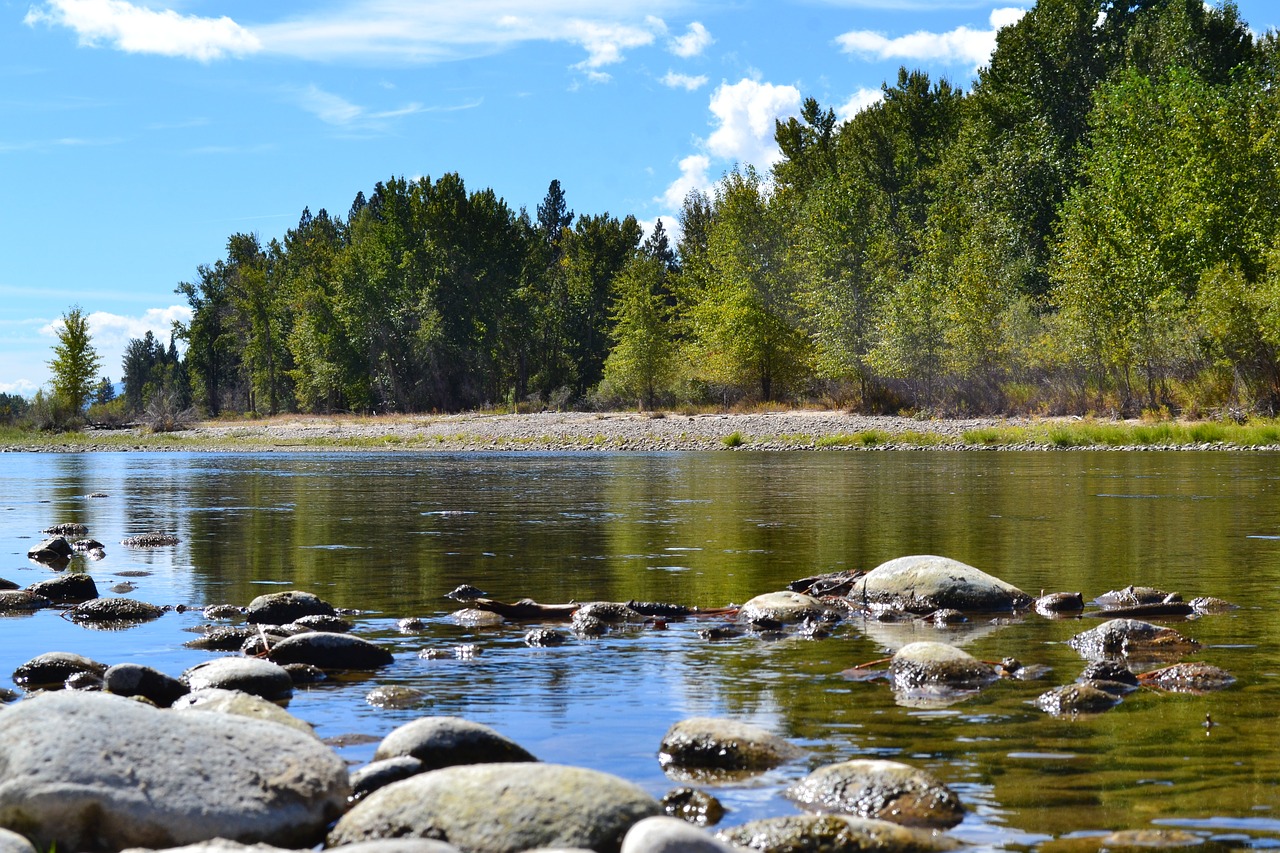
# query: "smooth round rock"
281,608
502,808
223,638
115,773
238,703
783,607
52,669
330,651
833,834
12,842
446,741
71,588
925,583
927,665
884,790
380,774
114,610
1071,700
250,675
720,744
131,679
1131,638
671,835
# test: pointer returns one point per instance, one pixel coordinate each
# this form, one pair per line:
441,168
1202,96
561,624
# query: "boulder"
12,842
223,638
155,539
239,703
1131,638
250,675
923,584
502,808
833,834
131,679
380,774
7,584
1056,603
784,608
330,651
320,622
281,608
713,743
114,611
1071,700
884,790
71,588
938,667
445,741
114,773
671,835
692,805
52,669
1189,678
21,601
54,549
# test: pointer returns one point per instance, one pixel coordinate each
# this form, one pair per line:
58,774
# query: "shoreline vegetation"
785,430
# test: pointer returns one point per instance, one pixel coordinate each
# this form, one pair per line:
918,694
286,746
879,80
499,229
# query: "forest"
1090,228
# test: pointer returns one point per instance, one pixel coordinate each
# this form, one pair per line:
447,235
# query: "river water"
389,534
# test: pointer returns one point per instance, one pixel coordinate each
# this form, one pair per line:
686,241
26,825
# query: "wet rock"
84,681
610,613
305,673
465,592
223,638
67,529
7,584
923,584
330,651
1060,602
380,774
1131,638
781,608
1189,678
446,741
150,540
250,675
395,696
7,695
1109,676
131,679
884,790
321,622
87,545
66,589
718,744
828,583
223,611
1149,839
588,627
21,601
115,773
54,553
51,669
542,637
833,834
540,805
946,616
263,638
281,608
1207,604
470,617
12,842
411,625
1074,699
114,611
382,845
669,835
1134,596
926,666
240,704
693,806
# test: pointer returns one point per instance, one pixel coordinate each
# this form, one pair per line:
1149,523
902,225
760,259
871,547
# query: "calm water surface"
390,534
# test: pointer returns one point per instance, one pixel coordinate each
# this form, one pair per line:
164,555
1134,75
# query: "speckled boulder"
923,584
51,669
884,790
114,611
380,774
250,675
330,651
281,608
115,773
21,601
502,808
1075,699
938,666
833,834
720,744
782,607
445,741
1190,678
1131,638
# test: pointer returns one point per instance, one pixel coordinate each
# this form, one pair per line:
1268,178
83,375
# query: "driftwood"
528,609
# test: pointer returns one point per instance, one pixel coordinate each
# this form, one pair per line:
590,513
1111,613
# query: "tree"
642,360
75,362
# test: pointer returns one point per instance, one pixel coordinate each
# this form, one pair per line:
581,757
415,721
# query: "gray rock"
12,842
923,584
330,651
68,528
1072,700
155,539
395,696
833,834
445,741
884,790
720,744
382,845
610,613
250,675
1189,678
543,637
671,835
71,588
52,669
380,774
21,601
1060,602
115,773
782,607
321,622
56,547
1131,638
692,805
939,668
281,608
131,679
236,702
501,808
114,611
223,638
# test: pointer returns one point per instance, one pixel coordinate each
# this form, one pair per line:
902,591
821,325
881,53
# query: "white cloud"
684,81
858,102
694,175
135,29
745,113
111,333
605,42
692,43
961,46
21,387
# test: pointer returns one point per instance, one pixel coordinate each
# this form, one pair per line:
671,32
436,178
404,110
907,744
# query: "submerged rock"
446,741
543,637
938,667
712,743
781,608
395,696
1073,699
502,808
71,528
330,651
1189,678
693,806
223,638
1131,638
1056,603
833,834
281,608
923,584
52,669
114,611
150,540
884,790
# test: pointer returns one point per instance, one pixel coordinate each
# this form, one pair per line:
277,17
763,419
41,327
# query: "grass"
1091,433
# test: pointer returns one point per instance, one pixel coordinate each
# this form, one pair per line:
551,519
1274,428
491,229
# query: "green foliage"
642,363
75,361
12,408
733,439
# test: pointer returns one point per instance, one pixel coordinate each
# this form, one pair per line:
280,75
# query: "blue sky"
137,135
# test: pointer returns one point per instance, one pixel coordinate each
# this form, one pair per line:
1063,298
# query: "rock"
445,741
241,704
1189,678
1073,699
884,790
1150,839
395,696
936,668
1060,602
57,548
411,625
380,774
321,622
330,651
67,529
223,638
833,834
250,675
588,627
470,617
382,845
150,540
784,608
7,584
131,679
223,611
719,744
923,584
281,608
693,806
305,673
544,637
1207,604
610,613
115,773
66,589
87,545
12,842
671,835
51,669
21,601
1131,638
498,808
99,611
263,637
1135,596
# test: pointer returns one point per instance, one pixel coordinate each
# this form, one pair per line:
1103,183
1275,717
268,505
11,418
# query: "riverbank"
659,432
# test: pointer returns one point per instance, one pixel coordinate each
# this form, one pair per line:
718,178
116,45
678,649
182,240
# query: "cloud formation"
858,102
135,29
961,46
692,43
684,81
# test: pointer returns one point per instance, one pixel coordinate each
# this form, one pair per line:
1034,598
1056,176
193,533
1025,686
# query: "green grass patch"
733,439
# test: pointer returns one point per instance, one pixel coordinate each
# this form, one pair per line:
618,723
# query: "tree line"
1092,227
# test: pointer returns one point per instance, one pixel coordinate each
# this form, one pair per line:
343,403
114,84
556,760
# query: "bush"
51,413
110,415
163,414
